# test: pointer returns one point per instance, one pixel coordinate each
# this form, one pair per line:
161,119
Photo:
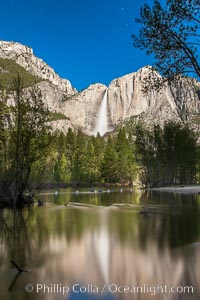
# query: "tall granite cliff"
179,101
53,88
24,56
124,96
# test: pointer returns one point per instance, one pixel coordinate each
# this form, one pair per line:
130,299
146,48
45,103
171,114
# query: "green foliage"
172,34
110,170
76,159
68,98
2,129
126,161
25,140
79,168
9,70
55,116
129,124
2,136
31,156
167,156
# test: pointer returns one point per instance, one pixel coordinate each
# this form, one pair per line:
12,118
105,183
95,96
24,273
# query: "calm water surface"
99,243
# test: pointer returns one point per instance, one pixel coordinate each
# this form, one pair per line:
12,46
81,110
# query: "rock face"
25,57
54,89
124,96
52,95
126,99
82,108
61,125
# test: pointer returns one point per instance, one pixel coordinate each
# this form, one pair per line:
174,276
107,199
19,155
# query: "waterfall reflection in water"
97,246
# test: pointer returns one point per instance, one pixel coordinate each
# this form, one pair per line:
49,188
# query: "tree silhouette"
172,34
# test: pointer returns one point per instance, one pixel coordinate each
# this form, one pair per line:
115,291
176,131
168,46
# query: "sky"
84,41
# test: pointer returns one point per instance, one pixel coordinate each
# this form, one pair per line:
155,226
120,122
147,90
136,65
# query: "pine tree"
109,168
167,156
79,171
126,163
70,146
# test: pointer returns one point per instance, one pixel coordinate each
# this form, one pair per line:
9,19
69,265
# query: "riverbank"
179,189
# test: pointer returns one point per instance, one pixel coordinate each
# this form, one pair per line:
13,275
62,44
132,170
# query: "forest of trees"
76,159
33,156
151,157
170,31
167,156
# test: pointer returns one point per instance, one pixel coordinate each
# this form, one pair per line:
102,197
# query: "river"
97,245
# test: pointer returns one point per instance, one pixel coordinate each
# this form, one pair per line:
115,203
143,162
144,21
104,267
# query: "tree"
98,144
79,168
144,148
2,137
126,164
70,147
172,34
168,155
26,136
109,167
2,129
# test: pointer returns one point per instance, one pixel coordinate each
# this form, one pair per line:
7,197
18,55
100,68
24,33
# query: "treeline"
168,155
33,156
76,159
161,156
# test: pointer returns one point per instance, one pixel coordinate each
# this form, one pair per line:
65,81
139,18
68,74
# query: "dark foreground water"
100,247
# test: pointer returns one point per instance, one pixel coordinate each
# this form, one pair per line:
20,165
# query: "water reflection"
102,245
105,197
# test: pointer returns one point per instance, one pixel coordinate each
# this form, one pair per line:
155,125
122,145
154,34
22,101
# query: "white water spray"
102,122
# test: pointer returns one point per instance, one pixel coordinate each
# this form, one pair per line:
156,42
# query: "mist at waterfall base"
103,125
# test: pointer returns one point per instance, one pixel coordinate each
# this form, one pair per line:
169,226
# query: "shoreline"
178,189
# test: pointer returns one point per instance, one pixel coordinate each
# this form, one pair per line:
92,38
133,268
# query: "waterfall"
102,123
